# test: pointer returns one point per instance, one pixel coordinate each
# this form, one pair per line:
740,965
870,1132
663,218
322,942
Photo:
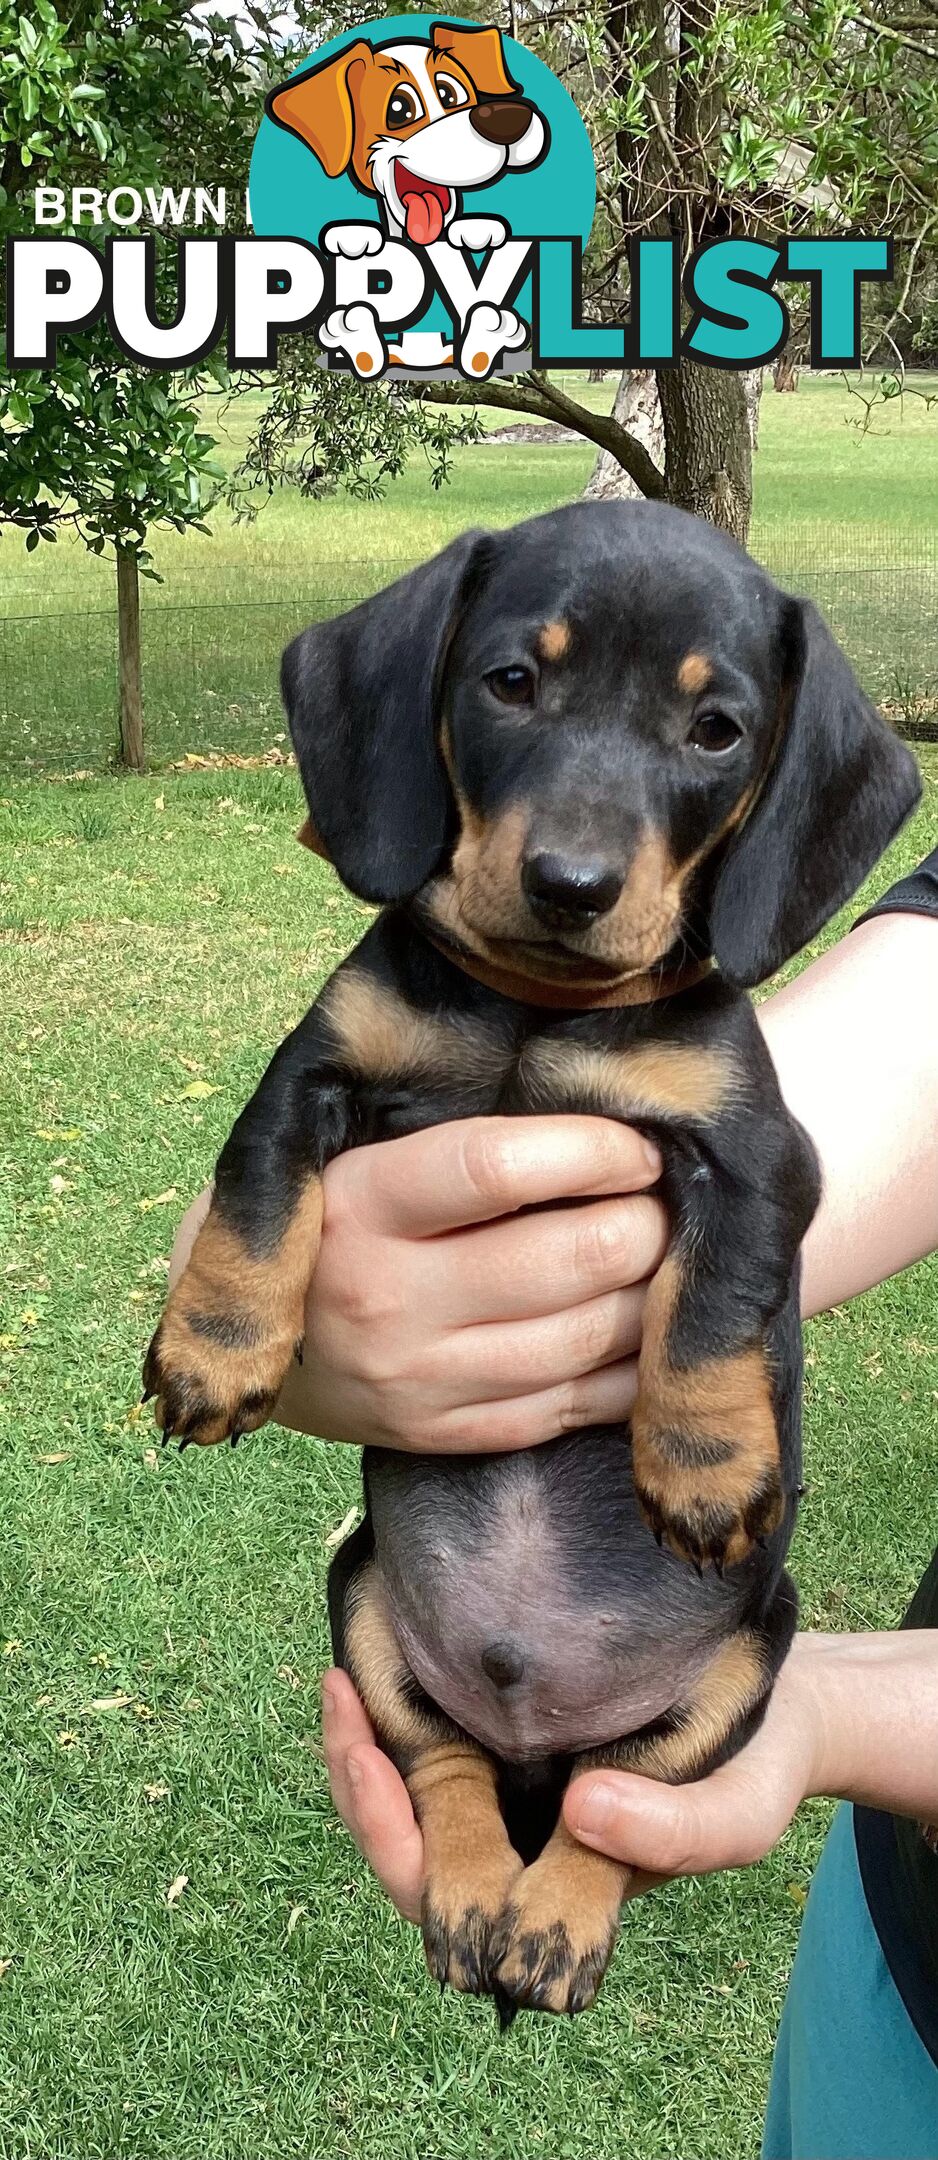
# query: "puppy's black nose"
560,888
504,122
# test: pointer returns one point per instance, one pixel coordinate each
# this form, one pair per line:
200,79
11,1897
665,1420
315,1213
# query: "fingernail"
594,1812
652,1156
328,1697
353,1771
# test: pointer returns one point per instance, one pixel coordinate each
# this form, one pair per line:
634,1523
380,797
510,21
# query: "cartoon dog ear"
362,696
480,52
841,786
317,106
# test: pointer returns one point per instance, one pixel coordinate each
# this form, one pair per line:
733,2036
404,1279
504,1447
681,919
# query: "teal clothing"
852,2080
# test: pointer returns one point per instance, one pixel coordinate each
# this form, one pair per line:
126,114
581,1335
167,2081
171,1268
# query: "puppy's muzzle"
502,122
569,894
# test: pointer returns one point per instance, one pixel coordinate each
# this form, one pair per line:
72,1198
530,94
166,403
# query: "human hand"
440,1317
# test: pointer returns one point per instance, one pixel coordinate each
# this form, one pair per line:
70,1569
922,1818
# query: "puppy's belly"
530,1599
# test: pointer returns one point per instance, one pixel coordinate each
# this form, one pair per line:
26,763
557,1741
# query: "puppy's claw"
505,2009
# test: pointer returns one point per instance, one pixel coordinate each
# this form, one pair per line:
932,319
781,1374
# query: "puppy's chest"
416,1068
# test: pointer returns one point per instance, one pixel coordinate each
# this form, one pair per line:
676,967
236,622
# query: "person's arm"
855,1044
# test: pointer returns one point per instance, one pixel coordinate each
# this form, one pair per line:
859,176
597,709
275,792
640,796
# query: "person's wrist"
813,1682
836,1692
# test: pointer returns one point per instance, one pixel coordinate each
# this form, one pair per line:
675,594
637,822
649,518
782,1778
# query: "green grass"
154,934
846,518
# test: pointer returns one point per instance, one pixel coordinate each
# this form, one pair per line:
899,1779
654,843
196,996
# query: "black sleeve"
915,895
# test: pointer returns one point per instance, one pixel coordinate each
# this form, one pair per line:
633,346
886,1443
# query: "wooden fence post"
132,755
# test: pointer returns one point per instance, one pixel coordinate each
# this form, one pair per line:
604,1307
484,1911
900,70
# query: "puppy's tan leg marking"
557,1934
726,1693
705,1443
470,1865
231,1327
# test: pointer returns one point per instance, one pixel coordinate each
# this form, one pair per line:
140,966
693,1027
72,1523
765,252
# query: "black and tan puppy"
603,777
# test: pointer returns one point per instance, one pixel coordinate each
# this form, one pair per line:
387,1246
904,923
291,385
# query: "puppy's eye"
450,93
714,733
512,685
403,107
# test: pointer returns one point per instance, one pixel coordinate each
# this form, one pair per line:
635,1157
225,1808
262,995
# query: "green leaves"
163,95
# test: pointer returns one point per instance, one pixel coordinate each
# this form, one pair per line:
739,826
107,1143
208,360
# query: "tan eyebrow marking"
694,673
554,640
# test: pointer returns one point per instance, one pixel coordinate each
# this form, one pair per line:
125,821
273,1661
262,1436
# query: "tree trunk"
753,380
636,408
785,372
131,751
708,462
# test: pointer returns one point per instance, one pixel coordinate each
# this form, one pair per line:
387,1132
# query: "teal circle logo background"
290,194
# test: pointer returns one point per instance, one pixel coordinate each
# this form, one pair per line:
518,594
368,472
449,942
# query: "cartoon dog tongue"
423,215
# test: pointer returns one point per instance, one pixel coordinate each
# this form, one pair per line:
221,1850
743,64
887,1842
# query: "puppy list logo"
421,194
422,156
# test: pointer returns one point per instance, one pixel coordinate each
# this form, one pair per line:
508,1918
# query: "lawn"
845,517
162,1623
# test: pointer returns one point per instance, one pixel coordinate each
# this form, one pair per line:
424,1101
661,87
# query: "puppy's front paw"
710,1513
210,1382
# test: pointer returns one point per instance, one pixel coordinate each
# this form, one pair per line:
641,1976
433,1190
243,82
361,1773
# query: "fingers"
530,1265
371,1798
480,1168
484,1362
496,1428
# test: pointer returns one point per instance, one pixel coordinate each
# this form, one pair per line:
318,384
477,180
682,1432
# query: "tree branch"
545,401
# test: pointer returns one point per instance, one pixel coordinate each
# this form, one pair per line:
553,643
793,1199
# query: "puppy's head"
414,121
595,745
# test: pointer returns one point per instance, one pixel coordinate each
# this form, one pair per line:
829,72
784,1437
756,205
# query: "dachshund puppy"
603,777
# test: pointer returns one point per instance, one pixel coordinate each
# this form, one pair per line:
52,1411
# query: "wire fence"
210,668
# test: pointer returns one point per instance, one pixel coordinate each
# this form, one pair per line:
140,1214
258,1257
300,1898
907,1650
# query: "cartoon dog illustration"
415,124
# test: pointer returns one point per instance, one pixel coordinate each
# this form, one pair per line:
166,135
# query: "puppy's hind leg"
557,1934
470,1863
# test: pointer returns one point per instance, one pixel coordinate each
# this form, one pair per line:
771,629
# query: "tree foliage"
92,95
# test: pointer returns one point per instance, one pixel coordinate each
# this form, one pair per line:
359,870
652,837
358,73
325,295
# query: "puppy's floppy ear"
480,52
362,696
317,106
840,787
